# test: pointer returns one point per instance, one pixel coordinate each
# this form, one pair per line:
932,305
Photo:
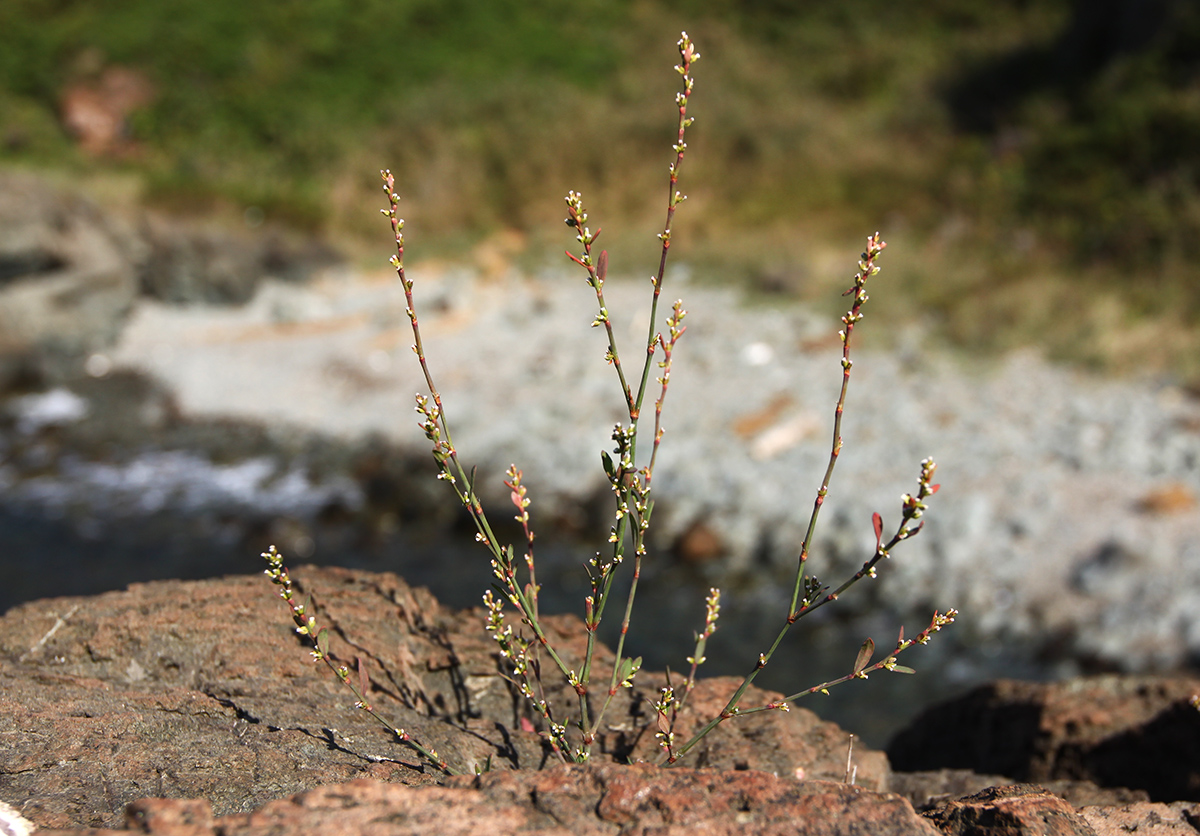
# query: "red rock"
578,800
1021,810
176,707
202,690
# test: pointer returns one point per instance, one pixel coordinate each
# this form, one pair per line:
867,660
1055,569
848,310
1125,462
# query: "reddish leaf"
864,655
878,521
934,489
526,725
602,264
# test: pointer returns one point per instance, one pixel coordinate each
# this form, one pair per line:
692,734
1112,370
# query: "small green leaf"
609,467
864,655
323,641
903,669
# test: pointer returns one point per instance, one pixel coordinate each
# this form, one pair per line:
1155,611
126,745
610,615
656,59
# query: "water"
60,553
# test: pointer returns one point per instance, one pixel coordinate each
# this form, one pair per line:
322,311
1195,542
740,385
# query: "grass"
1023,171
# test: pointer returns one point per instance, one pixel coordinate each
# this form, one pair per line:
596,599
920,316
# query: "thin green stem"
631,499
437,428
867,268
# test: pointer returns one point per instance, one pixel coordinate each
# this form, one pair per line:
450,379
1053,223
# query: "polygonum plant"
525,650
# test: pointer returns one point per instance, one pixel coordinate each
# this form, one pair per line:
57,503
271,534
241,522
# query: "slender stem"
437,428
640,507
688,55
436,415
867,268
938,621
631,494
674,323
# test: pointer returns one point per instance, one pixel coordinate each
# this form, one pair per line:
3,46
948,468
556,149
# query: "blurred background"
1034,164
1039,157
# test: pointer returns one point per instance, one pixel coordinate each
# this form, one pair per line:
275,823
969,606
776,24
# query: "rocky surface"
1140,732
199,694
1011,809
566,800
1149,819
202,689
639,800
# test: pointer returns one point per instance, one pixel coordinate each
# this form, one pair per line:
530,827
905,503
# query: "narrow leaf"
934,489
864,655
323,641
901,639
878,521
609,467
602,264
903,669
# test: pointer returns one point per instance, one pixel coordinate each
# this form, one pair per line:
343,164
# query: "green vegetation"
1033,158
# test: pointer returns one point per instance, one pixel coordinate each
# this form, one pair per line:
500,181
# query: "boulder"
67,274
1007,811
202,689
928,790
1139,732
192,708
203,262
71,271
